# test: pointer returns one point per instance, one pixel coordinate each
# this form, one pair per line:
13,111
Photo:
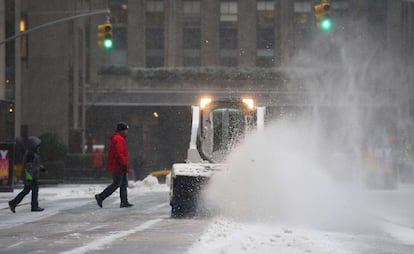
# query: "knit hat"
122,126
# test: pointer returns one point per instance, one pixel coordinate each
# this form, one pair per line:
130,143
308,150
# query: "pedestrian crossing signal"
105,35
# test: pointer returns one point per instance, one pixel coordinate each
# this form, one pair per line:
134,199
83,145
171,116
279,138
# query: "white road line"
94,228
159,206
15,245
106,240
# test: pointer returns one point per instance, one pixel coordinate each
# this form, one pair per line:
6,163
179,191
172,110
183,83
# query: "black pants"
33,186
119,180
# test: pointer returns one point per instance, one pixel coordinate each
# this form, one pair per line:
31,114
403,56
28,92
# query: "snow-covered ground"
66,196
227,236
77,191
223,234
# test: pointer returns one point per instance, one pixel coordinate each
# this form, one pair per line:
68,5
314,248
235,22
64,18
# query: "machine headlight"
204,102
249,103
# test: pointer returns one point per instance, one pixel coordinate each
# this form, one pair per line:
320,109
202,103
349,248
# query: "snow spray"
311,168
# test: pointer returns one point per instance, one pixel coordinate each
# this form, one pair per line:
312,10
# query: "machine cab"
222,125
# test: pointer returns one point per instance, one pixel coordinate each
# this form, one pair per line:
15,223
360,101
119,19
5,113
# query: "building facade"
165,55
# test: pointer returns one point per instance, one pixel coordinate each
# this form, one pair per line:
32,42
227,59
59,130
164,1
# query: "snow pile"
149,184
225,236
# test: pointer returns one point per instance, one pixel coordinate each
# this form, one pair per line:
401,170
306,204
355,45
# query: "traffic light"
322,15
105,35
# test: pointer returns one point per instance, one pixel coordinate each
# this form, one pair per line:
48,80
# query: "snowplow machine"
217,126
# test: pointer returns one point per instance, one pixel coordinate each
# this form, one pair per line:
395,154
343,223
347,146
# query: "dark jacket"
117,154
31,161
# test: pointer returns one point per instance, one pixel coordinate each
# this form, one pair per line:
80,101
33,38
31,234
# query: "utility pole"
17,72
2,51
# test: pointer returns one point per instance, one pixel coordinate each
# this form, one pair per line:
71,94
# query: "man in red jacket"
118,165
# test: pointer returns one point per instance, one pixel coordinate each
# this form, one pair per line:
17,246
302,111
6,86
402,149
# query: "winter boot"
98,200
12,206
127,204
37,209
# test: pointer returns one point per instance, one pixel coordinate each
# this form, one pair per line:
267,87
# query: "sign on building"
6,167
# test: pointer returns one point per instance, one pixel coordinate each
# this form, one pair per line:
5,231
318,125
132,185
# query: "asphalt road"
80,226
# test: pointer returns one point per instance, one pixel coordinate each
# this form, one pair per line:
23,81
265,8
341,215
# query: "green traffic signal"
108,43
326,24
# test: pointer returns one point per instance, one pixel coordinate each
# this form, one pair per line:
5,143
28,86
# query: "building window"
265,38
191,33
154,43
155,14
407,34
228,38
191,8
119,35
265,5
228,11
265,13
154,38
228,46
155,6
118,54
265,34
228,33
154,33
377,18
191,46
119,11
302,7
191,14
303,24
192,38
119,19
265,47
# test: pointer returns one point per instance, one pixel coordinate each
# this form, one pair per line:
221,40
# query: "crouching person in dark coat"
118,165
30,175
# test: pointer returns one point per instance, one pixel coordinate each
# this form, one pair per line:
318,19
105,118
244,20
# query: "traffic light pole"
97,12
17,96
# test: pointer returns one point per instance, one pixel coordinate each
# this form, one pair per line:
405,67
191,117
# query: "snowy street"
224,126
73,223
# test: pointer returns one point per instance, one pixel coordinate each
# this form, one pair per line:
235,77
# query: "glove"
123,168
43,169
